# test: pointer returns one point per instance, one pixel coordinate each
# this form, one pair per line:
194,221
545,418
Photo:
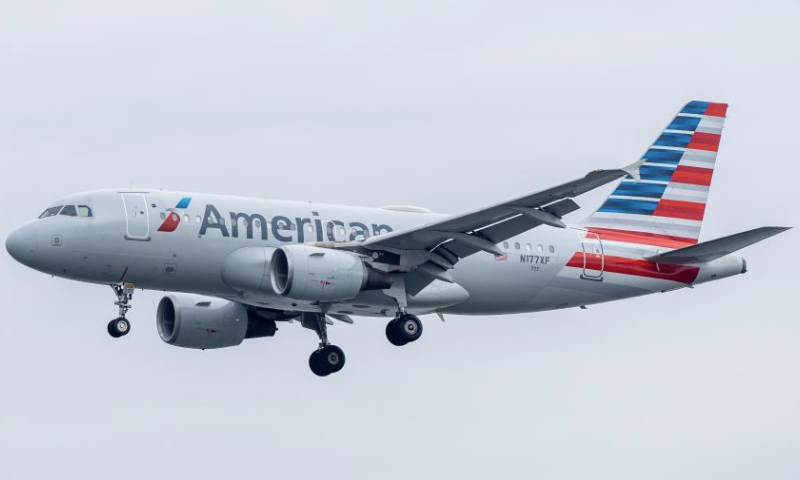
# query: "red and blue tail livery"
666,204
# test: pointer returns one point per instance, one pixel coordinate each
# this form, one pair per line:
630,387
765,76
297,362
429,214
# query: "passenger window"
84,211
528,247
51,212
540,248
505,245
186,218
197,219
283,225
163,216
552,249
257,223
516,245
69,211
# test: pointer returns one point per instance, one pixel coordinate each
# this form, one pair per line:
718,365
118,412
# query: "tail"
665,206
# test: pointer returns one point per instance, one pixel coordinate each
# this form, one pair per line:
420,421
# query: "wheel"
119,327
408,328
393,335
315,363
331,358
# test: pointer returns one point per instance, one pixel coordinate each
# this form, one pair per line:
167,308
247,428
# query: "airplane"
234,267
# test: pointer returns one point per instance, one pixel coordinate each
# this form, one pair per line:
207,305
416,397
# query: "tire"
315,364
119,327
393,335
408,328
331,358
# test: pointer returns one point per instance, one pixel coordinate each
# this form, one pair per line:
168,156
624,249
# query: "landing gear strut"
405,328
327,358
120,326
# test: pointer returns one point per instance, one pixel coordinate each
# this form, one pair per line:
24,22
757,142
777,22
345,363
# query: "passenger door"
593,255
137,216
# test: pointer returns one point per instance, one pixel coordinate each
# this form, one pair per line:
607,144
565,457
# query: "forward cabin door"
593,256
137,216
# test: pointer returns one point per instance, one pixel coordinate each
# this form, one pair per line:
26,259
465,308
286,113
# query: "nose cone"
21,244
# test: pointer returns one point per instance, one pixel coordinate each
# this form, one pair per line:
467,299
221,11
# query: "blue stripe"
674,139
184,203
695,107
684,123
652,172
640,189
663,156
622,205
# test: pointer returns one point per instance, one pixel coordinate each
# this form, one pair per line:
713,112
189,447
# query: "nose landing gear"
120,326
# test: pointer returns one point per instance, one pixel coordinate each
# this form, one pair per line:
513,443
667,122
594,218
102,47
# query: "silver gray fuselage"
103,249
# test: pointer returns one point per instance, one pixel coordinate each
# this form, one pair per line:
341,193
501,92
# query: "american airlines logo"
173,219
281,227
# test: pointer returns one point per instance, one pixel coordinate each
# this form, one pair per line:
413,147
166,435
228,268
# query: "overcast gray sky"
449,105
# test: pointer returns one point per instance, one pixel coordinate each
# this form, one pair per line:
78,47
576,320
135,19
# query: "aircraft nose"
21,244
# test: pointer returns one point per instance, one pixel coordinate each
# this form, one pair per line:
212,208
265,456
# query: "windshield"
51,212
68,211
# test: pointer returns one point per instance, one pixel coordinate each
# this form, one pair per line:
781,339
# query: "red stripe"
692,175
704,141
643,238
639,268
717,109
678,209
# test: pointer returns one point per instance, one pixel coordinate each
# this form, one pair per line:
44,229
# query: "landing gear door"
593,256
137,216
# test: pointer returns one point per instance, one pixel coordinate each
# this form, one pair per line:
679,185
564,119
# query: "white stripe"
612,218
709,165
662,147
699,155
655,182
626,197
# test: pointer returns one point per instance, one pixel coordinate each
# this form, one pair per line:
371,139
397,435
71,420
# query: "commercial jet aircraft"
236,267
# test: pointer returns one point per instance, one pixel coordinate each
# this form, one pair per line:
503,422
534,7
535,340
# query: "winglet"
633,170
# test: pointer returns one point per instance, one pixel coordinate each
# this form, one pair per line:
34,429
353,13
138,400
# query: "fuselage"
186,242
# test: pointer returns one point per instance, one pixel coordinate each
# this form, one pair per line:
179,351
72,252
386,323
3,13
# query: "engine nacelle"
322,274
195,321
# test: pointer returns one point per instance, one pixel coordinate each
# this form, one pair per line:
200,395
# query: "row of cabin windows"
68,211
529,247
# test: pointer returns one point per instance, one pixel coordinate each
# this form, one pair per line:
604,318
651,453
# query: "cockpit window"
84,211
69,211
51,212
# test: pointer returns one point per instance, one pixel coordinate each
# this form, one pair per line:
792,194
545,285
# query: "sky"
443,104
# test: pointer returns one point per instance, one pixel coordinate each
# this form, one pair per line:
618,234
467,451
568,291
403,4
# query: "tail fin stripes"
667,204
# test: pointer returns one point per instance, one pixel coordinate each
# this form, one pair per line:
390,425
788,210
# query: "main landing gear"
327,358
120,326
405,328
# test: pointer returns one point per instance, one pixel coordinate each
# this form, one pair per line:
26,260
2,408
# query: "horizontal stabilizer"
714,249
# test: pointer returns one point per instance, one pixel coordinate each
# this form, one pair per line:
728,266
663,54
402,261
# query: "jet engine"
312,273
195,321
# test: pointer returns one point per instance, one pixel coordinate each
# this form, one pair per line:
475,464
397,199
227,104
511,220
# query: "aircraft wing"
447,240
